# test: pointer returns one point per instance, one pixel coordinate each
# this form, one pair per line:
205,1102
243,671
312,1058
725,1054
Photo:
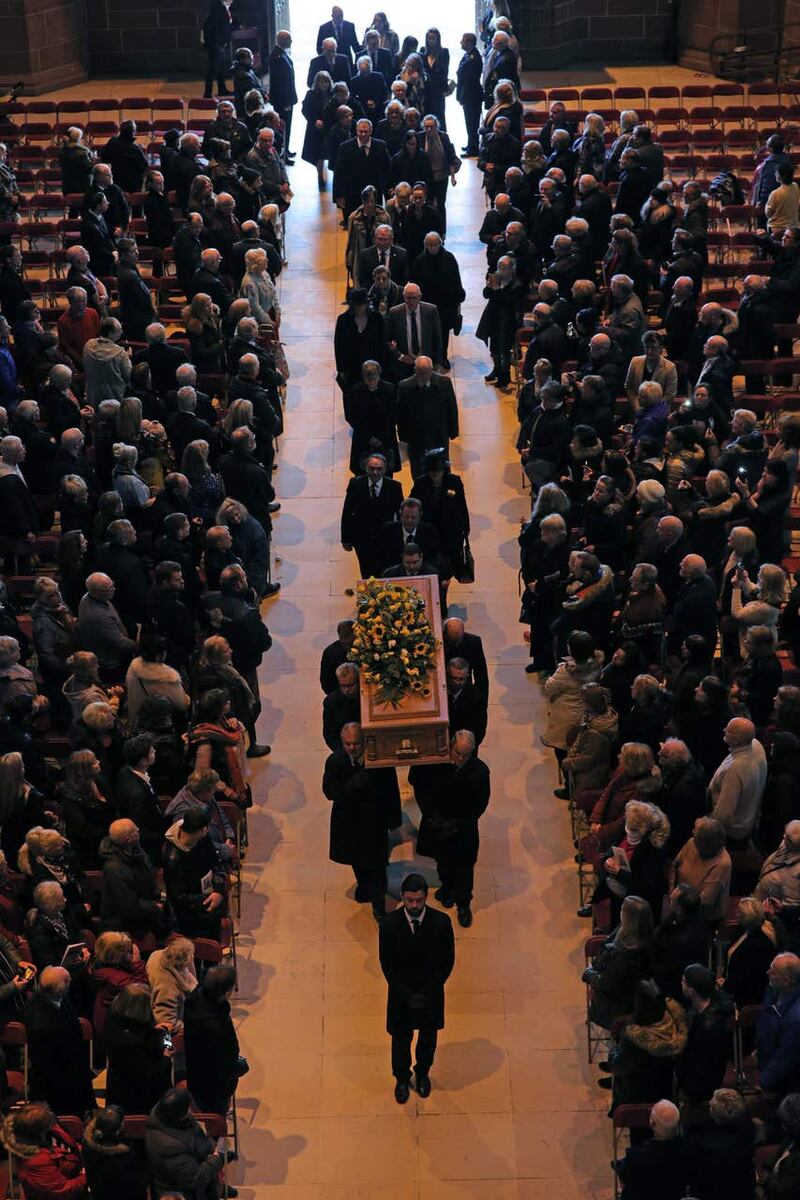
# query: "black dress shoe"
530,669
361,896
444,898
465,917
446,364
586,911
606,1084
274,506
423,1085
605,1065
401,1091
490,378
561,793
232,1191
258,751
270,589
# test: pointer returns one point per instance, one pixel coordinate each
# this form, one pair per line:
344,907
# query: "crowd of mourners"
655,580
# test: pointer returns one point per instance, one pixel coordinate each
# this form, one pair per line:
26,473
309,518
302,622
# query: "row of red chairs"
630,96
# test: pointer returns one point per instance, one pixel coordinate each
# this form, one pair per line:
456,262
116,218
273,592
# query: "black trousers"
401,1052
472,119
371,882
287,113
218,65
457,879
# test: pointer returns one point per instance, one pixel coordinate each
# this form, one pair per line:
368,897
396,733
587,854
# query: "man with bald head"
718,370
594,205
131,900
667,555
548,341
365,806
413,328
437,273
778,1031
606,360
458,643
737,787
208,280
58,1056
383,253
498,218
427,413
101,630
695,608
162,357
680,318
662,1166
456,794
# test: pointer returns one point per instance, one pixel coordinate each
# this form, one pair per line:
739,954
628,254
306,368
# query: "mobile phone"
167,1039
742,471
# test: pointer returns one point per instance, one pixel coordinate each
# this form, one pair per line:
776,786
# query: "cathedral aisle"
513,1112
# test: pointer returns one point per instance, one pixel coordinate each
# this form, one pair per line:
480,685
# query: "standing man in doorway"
469,91
282,90
217,33
417,954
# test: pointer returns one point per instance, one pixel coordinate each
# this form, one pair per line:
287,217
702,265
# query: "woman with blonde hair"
626,958
201,320
750,955
206,491
117,963
172,977
129,421
21,805
201,198
641,867
590,147
258,288
506,103
269,226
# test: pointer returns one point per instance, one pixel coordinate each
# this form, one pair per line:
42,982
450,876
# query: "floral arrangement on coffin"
394,644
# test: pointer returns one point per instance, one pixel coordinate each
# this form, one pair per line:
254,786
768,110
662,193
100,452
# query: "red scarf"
229,740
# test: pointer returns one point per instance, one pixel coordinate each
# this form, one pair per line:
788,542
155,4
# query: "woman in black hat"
358,337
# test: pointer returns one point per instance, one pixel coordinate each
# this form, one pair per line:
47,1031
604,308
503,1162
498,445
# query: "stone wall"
560,32
146,37
43,43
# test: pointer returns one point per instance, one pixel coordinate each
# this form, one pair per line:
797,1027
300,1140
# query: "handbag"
458,324
464,568
450,87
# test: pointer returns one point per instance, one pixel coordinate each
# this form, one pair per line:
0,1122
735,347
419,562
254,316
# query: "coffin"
416,729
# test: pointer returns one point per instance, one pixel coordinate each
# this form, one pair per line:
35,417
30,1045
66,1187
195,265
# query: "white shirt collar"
411,920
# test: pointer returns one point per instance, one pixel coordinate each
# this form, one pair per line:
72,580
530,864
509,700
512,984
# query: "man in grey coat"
100,629
413,328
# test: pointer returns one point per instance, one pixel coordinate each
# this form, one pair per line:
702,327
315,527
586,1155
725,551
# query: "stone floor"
514,1112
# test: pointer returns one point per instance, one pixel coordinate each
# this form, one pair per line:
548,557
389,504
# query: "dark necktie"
364,151
415,925
385,256
373,492
414,335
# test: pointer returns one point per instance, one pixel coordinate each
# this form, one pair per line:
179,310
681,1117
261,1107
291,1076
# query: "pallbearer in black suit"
452,798
459,643
417,955
371,500
366,804
467,706
334,655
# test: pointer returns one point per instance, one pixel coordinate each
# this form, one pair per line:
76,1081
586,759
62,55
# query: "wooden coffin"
416,729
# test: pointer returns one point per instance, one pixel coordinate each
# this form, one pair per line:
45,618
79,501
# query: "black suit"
427,417
468,711
59,1057
338,710
332,657
282,89
247,481
217,32
452,800
364,518
370,258
213,284
469,94
365,805
163,360
354,170
416,966
504,67
346,41
18,515
138,800
96,237
135,302
470,648
392,538
340,72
